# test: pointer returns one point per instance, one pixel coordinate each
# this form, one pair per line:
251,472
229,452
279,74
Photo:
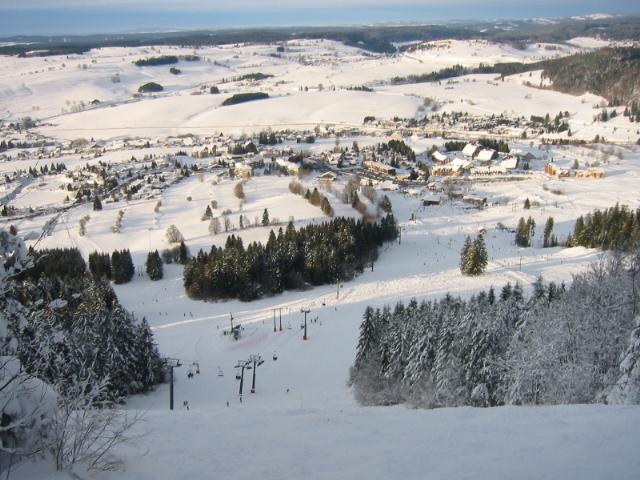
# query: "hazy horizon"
60,17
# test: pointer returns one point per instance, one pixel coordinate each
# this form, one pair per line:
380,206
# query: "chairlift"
238,377
275,356
220,372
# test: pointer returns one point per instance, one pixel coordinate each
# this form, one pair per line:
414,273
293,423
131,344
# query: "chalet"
470,150
439,157
326,178
379,168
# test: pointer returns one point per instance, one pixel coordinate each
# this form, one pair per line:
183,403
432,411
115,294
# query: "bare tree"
174,235
85,428
214,226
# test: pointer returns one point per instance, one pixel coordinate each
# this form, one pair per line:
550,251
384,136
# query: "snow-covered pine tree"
154,266
465,255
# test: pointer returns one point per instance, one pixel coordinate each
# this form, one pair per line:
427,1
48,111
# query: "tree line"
244,97
69,329
615,228
559,345
315,198
312,255
117,267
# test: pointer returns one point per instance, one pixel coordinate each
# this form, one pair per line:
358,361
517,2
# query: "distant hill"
374,38
613,73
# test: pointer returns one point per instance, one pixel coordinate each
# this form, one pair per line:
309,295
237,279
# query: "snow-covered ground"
60,90
316,429
303,420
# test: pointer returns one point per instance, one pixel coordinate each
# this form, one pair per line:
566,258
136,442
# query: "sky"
60,17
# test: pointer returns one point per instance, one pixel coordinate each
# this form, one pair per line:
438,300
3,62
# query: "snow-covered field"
303,421
61,90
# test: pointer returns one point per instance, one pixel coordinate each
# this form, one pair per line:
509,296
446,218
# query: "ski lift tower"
305,311
171,364
242,365
257,361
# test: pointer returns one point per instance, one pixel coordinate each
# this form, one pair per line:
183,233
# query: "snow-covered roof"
509,163
439,156
470,149
486,154
459,163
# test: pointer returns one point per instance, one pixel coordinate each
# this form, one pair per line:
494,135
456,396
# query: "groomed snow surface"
303,420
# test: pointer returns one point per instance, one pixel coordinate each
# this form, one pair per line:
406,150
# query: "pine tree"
100,265
265,218
326,207
465,255
97,204
183,253
481,256
548,228
522,233
207,214
527,204
154,266
474,257
369,340
385,204
122,268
